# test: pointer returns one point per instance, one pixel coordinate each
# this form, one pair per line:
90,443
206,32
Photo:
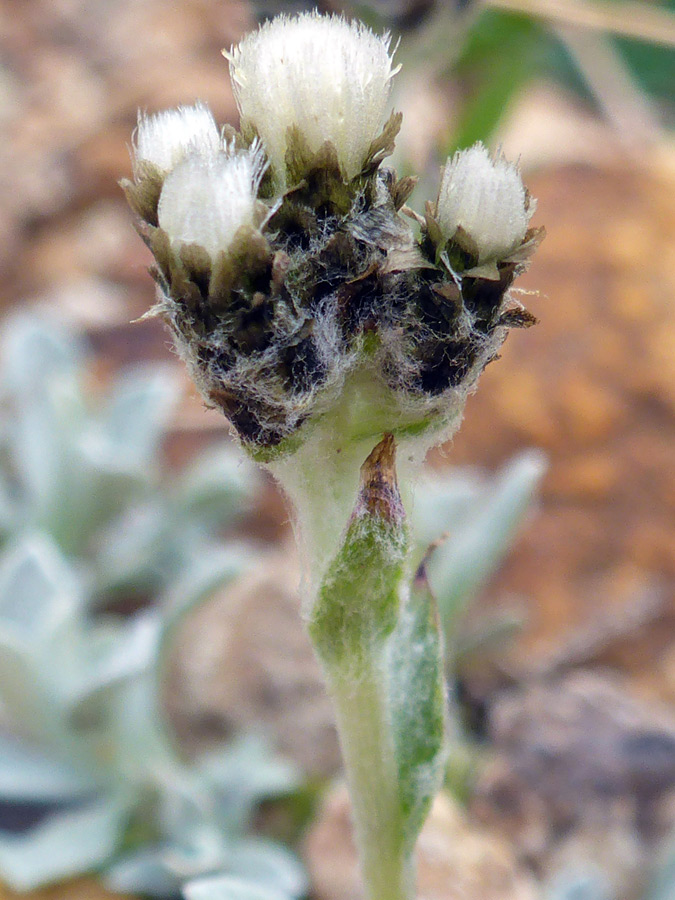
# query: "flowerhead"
292,305
205,200
486,199
327,78
168,137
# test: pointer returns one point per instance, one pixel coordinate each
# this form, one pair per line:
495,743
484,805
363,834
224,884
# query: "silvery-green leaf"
186,816
28,774
225,887
37,456
143,872
139,409
460,565
58,480
134,549
443,501
26,698
142,746
38,589
128,651
64,845
9,509
268,865
205,577
216,486
587,884
662,885
418,705
138,724
241,776
35,350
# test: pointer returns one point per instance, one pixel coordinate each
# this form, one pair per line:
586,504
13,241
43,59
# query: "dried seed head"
205,200
168,137
327,78
486,198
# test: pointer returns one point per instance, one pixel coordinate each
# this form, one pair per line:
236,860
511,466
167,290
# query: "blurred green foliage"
493,55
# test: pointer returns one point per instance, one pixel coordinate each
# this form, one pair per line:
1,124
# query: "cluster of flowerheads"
286,267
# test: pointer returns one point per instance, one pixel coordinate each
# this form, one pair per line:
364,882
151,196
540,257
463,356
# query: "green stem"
350,523
365,732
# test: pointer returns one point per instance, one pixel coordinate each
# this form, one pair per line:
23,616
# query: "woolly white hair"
328,77
486,197
206,199
165,138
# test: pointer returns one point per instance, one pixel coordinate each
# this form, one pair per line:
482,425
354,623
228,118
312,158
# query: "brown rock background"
594,386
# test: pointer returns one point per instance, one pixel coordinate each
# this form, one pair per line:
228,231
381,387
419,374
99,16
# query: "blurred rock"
243,661
582,774
72,77
456,859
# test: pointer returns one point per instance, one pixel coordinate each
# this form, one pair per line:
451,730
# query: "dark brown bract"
332,280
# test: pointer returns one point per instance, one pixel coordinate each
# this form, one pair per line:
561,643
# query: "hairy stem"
352,529
365,733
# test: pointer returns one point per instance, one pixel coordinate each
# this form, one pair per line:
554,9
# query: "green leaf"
26,774
418,705
65,845
225,887
503,51
464,561
357,604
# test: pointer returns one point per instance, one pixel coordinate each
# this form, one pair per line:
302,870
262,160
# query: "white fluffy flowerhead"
328,77
487,199
206,199
168,137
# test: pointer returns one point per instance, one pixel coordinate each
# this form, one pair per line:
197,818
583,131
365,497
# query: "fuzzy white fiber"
168,137
329,77
206,199
486,197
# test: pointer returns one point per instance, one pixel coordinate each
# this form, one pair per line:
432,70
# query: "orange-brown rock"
81,889
593,385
